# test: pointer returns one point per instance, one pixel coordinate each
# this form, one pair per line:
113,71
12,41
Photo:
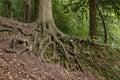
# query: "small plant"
86,53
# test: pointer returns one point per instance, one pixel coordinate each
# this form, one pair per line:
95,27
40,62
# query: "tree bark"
45,18
36,5
45,11
92,19
28,11
9,8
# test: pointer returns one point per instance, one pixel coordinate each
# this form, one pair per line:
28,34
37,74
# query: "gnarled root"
46,41
62,51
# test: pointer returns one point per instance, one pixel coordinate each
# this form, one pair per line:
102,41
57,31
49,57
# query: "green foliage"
86,53
63,21
3,10
18,10
68,21
72,17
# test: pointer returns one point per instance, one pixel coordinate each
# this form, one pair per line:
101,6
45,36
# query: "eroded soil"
26,66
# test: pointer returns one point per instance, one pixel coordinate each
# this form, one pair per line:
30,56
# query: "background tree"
28,10
9,8
92,19
6,8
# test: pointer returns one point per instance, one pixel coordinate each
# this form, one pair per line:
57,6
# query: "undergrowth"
99,60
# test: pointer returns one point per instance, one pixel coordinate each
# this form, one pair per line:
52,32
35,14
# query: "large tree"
44,38
45,18
49,36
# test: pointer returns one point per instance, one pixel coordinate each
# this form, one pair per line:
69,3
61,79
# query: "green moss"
1,33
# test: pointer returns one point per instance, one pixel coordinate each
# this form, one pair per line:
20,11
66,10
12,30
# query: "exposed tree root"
5,30
53,38
25,34
45,40
6,26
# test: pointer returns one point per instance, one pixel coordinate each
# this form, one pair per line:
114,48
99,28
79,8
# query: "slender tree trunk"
36,5
9,8
92,19
28,10
104,25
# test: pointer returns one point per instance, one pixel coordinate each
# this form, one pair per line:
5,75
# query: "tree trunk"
36,5
53,38
45,18
104,25
92,19
9,8
28,10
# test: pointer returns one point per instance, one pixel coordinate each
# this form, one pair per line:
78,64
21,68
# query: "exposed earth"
26,66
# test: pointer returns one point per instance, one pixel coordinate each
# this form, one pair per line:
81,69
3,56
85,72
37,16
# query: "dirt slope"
26,66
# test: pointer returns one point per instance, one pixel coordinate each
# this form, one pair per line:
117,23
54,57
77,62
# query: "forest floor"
26,66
